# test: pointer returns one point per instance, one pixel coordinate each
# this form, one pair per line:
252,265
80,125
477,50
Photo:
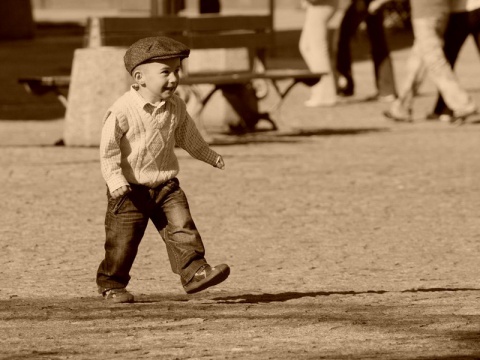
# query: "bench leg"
39,89
240,102
283,94
195,105
203,100
63,99
243,99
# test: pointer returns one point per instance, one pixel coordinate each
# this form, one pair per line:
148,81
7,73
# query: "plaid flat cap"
158,47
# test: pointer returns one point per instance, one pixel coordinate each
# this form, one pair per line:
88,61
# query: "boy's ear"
138,76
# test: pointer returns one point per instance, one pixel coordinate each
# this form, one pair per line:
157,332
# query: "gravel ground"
348,237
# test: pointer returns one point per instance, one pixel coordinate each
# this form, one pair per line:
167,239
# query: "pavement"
348,236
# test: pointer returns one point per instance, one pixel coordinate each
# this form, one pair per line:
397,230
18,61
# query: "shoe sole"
461,119
120,300
390,116
221,274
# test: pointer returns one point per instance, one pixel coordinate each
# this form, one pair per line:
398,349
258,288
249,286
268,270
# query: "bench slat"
200,32
220,23
274,74
217,23
137,24
230,40
125,40
239,78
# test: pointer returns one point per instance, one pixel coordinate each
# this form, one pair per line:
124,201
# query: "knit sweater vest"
137,145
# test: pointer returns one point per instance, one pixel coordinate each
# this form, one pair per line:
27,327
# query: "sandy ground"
349,237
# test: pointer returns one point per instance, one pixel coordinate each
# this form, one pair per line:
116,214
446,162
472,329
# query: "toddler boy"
139,166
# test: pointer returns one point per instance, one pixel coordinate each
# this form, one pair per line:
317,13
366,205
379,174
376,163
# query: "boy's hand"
220,164
121,191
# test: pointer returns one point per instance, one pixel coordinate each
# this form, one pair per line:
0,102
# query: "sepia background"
348,236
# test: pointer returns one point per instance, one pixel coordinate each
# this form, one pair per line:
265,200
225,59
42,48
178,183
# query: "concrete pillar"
98,79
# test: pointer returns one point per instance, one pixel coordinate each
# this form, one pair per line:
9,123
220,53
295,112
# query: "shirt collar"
140,100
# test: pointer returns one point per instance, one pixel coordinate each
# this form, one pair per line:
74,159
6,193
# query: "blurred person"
314,47
173,7
209,6
429,22
241,97
370,11
139,166
464,21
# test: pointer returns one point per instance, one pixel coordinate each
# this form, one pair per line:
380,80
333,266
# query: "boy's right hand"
121,191
220,164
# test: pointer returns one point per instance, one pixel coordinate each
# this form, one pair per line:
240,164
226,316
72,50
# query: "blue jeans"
125,223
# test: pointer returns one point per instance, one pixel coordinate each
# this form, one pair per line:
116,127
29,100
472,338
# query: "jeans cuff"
191,270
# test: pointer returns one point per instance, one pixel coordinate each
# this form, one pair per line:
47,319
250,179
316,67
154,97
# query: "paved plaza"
348,237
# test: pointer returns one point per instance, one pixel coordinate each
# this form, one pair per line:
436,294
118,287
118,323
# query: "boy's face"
158,79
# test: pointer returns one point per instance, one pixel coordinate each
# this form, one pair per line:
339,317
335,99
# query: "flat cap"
150,48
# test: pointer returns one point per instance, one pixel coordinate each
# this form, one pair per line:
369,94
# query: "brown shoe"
118,296
207,276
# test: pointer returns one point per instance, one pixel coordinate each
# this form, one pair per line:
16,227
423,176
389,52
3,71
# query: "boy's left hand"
220,164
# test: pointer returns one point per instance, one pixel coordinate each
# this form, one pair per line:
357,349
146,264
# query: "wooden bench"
251,32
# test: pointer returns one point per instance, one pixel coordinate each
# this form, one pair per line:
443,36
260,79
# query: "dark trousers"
460,26
244,101
355,14
125,223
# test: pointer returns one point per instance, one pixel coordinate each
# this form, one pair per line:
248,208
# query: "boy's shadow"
286,296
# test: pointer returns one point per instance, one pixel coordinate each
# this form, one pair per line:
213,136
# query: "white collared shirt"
138,141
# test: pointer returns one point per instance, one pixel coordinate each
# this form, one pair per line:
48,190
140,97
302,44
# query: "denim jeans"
125,223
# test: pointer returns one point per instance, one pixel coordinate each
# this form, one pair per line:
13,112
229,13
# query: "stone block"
98,79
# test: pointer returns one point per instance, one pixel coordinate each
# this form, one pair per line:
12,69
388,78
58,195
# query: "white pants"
427,54
314,48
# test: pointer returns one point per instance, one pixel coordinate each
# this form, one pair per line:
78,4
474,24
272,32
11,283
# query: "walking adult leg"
384,76
401,108
429,34
474,26
352,18
314,47
456,33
